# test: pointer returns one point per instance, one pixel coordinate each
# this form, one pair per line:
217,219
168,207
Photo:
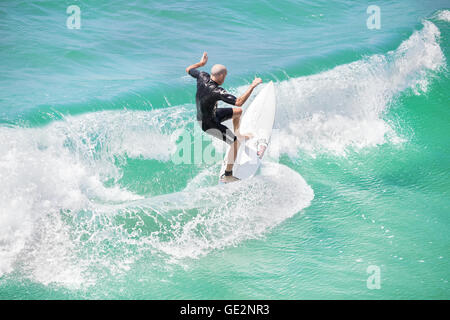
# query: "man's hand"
256,82
202,62
241,100
204,59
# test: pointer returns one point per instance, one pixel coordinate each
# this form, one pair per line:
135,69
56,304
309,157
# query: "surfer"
210,117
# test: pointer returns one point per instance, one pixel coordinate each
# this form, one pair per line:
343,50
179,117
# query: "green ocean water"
95,204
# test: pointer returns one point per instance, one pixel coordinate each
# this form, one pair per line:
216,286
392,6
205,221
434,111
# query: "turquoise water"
94,204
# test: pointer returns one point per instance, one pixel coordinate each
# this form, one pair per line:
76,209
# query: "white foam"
63,166
145,134
443,15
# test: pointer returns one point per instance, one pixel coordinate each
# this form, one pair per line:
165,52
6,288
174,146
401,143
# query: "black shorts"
215,128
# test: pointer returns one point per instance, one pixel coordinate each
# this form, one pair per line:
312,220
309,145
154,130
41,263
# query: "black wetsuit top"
208,94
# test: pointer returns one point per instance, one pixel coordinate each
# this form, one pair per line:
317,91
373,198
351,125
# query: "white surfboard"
257,121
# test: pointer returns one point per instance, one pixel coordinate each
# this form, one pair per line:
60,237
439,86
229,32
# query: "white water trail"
203,219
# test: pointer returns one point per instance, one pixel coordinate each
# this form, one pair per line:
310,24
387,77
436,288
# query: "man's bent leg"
237,114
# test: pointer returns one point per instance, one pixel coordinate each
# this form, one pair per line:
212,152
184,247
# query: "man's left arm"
238,102
241,100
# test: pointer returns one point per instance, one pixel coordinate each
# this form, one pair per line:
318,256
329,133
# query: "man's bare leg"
232,154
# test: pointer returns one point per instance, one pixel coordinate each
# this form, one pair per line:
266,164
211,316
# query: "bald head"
218,73
218,70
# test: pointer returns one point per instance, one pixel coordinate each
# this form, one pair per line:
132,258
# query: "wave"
59,218
60,221
344,108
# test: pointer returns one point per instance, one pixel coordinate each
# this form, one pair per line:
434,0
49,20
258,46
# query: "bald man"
210,117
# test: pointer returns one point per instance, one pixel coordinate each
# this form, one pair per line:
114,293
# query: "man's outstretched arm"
241,100
202,62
